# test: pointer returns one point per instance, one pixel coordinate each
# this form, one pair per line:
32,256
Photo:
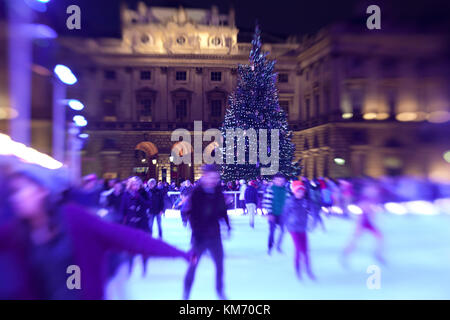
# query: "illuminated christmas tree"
254,104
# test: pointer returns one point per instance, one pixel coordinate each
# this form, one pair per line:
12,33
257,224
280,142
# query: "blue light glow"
65,74
75,105
83,135
80,121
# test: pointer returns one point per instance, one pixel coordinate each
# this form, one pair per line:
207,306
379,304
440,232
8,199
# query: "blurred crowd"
99,224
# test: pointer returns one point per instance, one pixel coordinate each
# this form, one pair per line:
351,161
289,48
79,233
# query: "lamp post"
75,144
22,31
63,77
20,58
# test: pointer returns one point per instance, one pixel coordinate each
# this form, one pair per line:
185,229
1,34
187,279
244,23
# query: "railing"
148,126
231,197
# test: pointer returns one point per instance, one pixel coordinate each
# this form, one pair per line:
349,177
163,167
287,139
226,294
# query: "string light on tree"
254,104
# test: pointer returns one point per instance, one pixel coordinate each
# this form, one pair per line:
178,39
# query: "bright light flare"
75,105
353,208
80,121
395,208
421,207
336,210
370,116
8,147
65,74
446,156
339,161
347,115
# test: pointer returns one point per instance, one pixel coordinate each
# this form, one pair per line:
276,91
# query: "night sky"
279,18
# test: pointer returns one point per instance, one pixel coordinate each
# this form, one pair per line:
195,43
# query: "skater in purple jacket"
45,239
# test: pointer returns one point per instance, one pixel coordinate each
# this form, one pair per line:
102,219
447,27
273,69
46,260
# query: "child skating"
295,213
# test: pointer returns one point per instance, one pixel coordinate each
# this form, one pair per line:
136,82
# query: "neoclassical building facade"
359,103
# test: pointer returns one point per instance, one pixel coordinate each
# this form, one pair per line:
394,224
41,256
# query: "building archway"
211,148
146,155
183,171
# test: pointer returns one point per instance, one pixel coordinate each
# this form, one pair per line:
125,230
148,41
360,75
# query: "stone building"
373,104
359,103
171,67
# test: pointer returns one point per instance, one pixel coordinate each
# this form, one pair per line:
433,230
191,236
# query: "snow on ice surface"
417,255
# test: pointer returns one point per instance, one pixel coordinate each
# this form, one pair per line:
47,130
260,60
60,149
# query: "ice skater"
204,208
295,215
251,199
314,195
273,202
47,233
366,223
156,206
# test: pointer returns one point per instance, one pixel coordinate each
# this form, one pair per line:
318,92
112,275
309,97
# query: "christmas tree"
254,104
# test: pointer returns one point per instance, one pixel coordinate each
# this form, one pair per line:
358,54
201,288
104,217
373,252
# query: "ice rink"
417,254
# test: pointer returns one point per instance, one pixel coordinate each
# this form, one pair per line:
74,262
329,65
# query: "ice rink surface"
417,251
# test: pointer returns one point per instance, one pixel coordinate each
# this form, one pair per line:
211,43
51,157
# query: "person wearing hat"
251,199
295,213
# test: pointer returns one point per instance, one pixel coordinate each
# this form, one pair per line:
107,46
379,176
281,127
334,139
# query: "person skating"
295,216
368,204
251,199
273,202
46,234
114,201
134,205
186,188
204,208
156,205
242,188
314,195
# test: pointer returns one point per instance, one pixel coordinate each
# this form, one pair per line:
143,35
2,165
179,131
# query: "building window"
316,70
216,76
181,75
181,109
146,107
146,75
308,108
357,62
283,78
316,104
216,41
325,166
110,103
110,74
326,138
391,101
327,100
145,38
216,108
357,98
181,40
284,104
